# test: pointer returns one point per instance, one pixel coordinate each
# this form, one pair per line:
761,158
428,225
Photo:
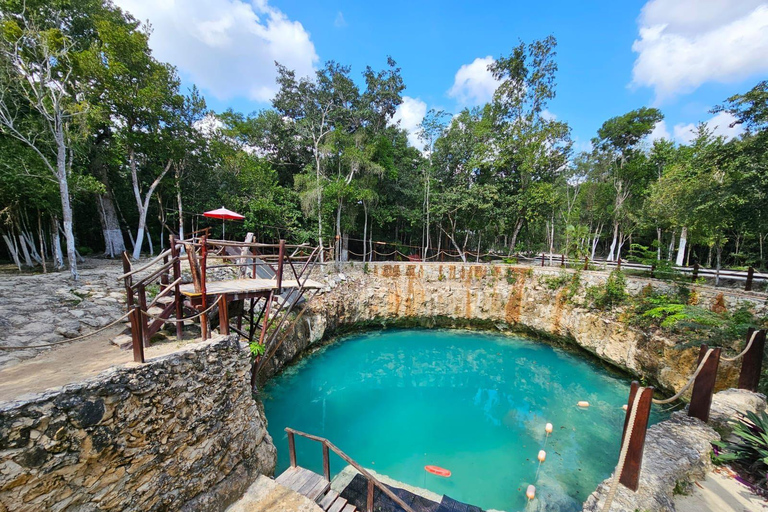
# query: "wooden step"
328,499
349,508
337,505
304,481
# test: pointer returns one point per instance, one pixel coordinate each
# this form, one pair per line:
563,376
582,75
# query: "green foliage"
610,294
749,449
257,349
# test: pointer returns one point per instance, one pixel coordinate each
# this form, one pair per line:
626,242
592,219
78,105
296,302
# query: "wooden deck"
315,487
245,286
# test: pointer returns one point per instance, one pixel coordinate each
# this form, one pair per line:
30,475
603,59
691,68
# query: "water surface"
473,403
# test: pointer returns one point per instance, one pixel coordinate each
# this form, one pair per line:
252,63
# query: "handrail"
145,267
346,458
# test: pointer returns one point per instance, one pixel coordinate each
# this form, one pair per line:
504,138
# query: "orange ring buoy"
435,470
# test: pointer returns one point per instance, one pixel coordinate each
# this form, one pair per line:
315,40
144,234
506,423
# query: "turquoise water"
473,403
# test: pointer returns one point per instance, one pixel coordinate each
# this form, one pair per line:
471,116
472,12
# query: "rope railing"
624,450
688,384
746,349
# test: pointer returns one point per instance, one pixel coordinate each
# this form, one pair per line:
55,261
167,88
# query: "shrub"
748,447
257,349
84,251
610,294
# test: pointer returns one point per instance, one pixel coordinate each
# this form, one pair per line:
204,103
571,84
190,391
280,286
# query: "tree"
619,137
40,103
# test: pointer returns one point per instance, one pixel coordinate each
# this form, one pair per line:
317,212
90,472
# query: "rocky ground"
45,308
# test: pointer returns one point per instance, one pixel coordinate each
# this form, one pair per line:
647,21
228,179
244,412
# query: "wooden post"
752,362
223,315
292,449
562,260
542,259
280,257
704,385
142,290
128,280
137,334
326,462
653,269
369,504
164,281
630,474
586,262
750,276
695,274
177,292
618,264
203,264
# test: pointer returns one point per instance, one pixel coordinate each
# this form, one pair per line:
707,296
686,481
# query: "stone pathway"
44,308
720,492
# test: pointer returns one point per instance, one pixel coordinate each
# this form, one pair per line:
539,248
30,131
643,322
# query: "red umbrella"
223,214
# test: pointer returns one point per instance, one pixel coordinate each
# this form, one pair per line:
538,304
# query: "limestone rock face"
504,297
729,404
181,432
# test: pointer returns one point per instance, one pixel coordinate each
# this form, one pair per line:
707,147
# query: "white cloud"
547,115
409,115
339,22
660,132
720,124
685,43
473,83
226,47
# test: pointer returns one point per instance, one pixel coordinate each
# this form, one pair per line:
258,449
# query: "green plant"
257,349
610,294
555,282
511,276
84,251
748,447
682,488
365,267
510,261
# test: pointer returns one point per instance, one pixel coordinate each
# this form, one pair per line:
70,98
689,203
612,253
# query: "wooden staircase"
316,488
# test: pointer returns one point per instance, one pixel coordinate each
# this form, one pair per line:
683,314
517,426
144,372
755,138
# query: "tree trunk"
365,228
66,206
42,243
515,232
681,247
58,257
12,250
613,243
719,251
114,245
319,203
658,244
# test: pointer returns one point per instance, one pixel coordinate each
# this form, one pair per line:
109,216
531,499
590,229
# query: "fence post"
203,297
562,260
326,462
653,270
695,274
752,362
618,264
542,259
177,293
369,504
586,262
280,256
142,291
750,275
292,449
704,385
137,334
630,474
223,315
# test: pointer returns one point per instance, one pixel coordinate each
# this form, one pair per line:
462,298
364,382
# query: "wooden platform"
316,488
245,286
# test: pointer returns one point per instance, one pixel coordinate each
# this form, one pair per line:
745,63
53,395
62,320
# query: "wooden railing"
327,445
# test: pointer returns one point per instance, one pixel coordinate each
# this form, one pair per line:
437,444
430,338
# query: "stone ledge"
676,450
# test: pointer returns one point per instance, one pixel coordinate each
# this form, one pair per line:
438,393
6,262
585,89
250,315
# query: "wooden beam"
752,362
136,334
223,315
704,386
292,449
326,462
630,474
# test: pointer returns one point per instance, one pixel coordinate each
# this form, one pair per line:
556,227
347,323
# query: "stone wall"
504,297
181,432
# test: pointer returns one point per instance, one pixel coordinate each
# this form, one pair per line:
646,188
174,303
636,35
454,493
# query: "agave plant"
749,449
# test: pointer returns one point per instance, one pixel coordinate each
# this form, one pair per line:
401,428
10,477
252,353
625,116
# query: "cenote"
474,403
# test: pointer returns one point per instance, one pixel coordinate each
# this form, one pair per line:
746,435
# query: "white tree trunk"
12,250
58,257
681,246
613,242
66,206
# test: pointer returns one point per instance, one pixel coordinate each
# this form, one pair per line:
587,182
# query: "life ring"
435,470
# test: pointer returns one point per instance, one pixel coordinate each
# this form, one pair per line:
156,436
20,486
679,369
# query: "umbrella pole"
223,232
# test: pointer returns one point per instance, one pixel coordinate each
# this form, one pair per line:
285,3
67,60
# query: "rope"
623,453
70,339
688,385
167,321
746,349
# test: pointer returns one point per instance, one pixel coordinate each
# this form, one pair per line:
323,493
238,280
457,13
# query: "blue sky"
682,56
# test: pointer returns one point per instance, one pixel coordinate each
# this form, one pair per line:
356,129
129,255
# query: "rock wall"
181,432
504,297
